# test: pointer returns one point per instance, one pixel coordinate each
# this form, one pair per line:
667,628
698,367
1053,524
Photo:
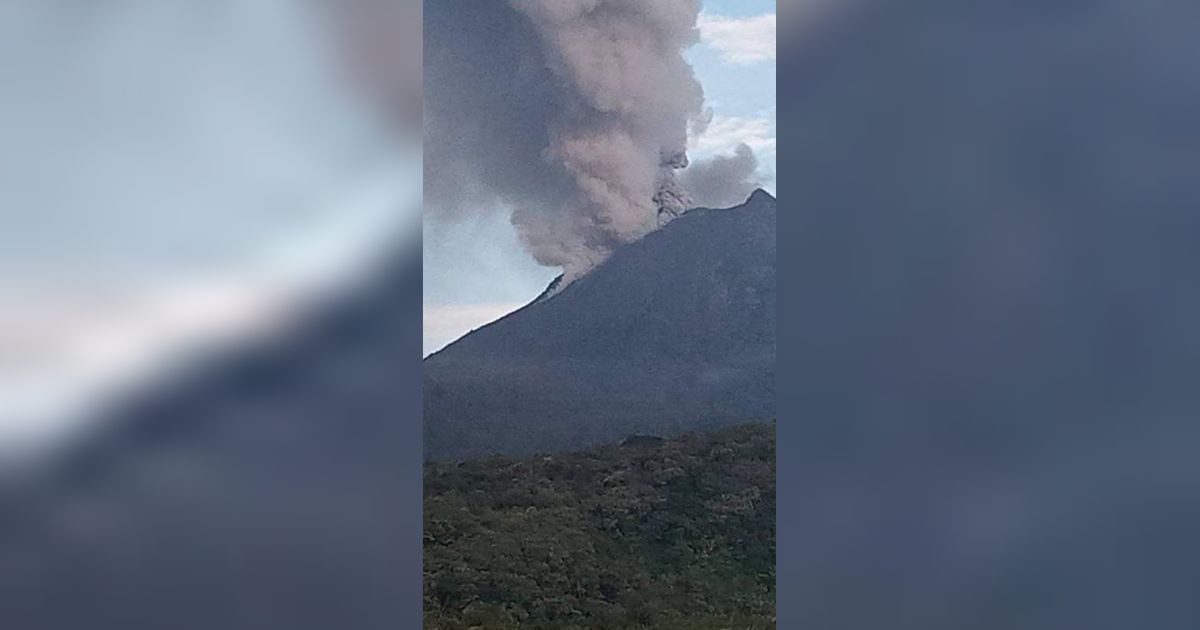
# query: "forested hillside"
649,533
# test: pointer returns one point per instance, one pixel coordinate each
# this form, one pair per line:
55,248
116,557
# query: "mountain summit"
673,332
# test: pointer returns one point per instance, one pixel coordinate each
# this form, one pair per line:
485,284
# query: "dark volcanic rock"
674,332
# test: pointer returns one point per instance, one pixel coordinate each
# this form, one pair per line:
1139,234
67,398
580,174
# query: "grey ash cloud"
724,180
572,113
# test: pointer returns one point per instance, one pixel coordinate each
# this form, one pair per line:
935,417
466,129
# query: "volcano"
674,332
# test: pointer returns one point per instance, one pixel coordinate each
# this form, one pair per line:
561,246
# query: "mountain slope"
673,332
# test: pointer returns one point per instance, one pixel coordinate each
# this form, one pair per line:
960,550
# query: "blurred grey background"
209,235
997,316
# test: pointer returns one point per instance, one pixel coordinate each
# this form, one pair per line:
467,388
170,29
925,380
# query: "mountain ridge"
552,291
549,293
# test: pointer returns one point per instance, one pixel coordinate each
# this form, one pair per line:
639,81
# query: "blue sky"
739,8
739,85
475,271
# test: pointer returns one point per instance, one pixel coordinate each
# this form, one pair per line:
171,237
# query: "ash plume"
724,180
571,113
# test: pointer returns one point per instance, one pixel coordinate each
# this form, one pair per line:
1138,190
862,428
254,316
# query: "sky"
475,270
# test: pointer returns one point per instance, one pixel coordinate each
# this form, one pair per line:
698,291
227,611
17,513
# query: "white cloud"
740,40
725,133
445,323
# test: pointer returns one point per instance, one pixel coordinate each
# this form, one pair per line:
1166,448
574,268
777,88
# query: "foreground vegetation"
647,534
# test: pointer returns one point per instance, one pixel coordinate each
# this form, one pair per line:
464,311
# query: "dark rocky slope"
673,332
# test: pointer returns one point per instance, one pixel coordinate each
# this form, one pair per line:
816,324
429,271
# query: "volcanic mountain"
673,332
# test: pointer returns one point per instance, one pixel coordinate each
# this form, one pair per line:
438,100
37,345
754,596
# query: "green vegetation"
652,533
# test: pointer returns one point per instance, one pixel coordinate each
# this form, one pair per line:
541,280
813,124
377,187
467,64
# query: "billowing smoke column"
573,113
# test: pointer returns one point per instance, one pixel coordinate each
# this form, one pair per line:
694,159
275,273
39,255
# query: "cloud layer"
740,40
